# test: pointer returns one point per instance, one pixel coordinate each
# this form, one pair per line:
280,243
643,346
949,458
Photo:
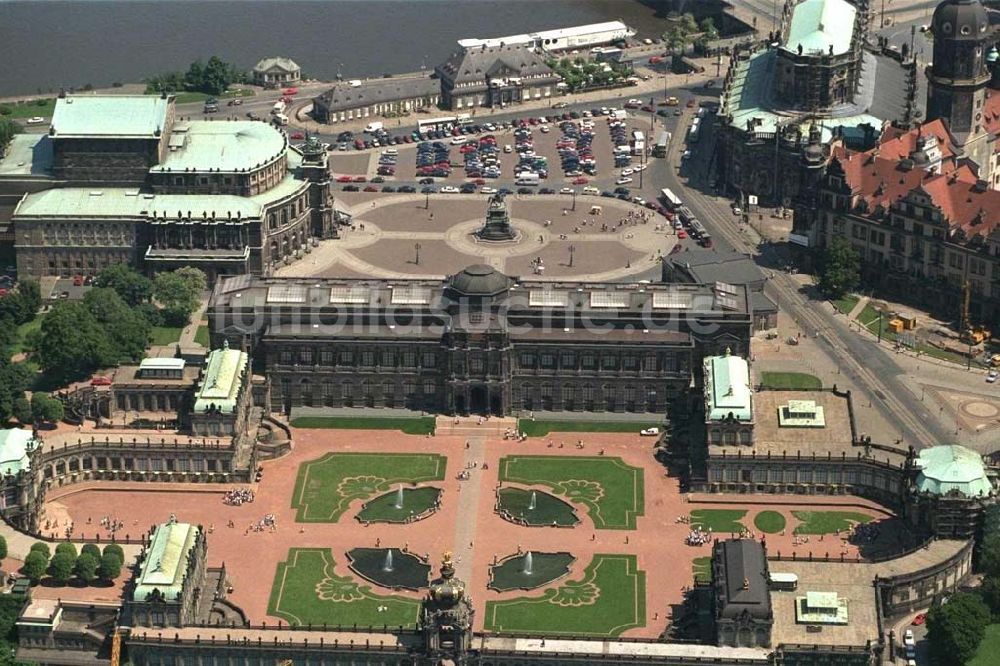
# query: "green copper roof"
220,385
166,561
727,388
14,446
819,24
133,116
952,468
229,146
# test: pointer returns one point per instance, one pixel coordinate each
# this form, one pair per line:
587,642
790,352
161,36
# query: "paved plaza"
619,240
652,562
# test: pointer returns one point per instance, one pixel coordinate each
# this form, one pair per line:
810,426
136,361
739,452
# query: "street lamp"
572,251
574,200
416,247
427,200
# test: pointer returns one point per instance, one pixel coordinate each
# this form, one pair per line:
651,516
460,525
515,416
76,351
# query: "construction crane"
969,333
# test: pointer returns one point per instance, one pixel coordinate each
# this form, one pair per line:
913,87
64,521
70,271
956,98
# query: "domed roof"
960,19
447,590
944,469
479,280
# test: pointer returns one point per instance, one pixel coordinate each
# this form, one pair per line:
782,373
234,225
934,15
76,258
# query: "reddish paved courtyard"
251,558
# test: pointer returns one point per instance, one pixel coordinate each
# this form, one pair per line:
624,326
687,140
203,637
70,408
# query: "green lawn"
201,337
828,522
29,109
23,330
869,319
770,522
307,591
165,335
533,428
611,490
790,381
416,501
989,648
608,600
846,304
701,569
419,425
720,520
325,487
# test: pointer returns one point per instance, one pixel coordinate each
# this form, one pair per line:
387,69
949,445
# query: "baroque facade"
479,342
158,192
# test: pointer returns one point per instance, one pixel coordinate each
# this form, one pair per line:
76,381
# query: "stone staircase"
470,426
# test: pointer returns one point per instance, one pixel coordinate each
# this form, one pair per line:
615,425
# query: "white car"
544,129
567,190
908,639
649,432
627,172
458,141
542,120
625,180
508,148
737,211
639,167
449,189
35,120
686,155
486,189
992,376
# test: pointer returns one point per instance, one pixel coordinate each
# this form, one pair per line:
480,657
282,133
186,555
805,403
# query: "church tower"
958,77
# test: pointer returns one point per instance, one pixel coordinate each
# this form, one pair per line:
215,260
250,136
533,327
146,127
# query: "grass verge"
417,425
828,522
846,304
790,381
535,428
719,520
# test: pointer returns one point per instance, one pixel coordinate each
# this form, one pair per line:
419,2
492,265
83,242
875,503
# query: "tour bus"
443,123
685,214
464,119
670,200
660,150
280,119
638,142
697,230
279,107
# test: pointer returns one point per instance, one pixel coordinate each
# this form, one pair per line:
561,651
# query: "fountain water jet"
399,497
532,501
529,564
388,561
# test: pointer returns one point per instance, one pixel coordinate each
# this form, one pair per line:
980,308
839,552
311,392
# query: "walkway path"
468,508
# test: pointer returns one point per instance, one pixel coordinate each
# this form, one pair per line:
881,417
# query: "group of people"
268,522
516,435
238,496
698,537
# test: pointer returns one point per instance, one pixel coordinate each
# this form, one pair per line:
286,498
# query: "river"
45,45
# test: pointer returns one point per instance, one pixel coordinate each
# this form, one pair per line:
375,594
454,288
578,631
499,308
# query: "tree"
41,547
8,128
678,35
45,408
66,547
708,29
116,550
133,287
3,547
179,292
841,268
990,593
73,344
91,549
22,410
14,378
955,629
34,566
111,566
61,567
126,329
86,567
989,555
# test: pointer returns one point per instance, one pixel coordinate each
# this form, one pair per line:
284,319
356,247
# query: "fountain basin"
408,572
510,573
534,508
417,504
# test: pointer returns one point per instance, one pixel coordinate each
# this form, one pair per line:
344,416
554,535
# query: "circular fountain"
389,567
529,570
534,508
402,505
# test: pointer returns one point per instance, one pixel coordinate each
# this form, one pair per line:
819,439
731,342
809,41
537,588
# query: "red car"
291,91
359,179
100,381
479,181
370,188
344,179
681,234
691,104
647,108
298,136
919,619
581,181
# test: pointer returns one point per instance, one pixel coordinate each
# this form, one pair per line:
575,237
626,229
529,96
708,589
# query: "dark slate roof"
473,65
479,280
889,101
344,96
735,562
708,266
761,303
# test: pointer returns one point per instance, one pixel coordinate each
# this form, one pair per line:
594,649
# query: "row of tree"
8,128
16,308
211,78
686,30
89,565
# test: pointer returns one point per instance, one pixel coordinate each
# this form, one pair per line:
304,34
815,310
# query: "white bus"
638,143
464,119
670,200
445,123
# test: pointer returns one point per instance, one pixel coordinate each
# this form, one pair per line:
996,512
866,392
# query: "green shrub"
66,547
